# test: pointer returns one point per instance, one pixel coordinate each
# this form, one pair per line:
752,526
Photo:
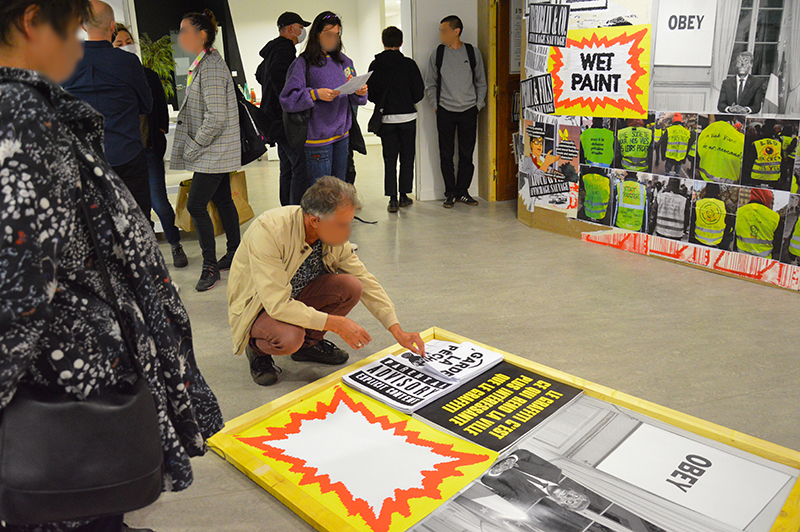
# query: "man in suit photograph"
742,93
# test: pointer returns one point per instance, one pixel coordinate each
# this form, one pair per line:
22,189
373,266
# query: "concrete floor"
722,349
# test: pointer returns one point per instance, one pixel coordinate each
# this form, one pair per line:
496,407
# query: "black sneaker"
224,264
126,528
449,202
467,199
208,279
393,205
179,259
262,368
324,352
405,201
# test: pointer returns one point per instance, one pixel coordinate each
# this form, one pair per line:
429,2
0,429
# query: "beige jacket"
271,252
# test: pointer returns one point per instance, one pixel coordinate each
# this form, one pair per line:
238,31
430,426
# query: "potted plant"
158,57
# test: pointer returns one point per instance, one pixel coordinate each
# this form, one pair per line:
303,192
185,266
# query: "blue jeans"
158,196
330,159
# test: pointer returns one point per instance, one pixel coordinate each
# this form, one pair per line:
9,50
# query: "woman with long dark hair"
87,304
208,142
309,85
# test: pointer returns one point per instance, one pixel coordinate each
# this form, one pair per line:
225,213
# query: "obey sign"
603,72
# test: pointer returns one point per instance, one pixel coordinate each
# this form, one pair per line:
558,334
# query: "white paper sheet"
353,84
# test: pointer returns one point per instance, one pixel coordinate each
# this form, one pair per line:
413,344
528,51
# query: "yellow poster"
374,467
603,72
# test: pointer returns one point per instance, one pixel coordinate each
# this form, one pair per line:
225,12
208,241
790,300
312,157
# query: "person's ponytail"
207,22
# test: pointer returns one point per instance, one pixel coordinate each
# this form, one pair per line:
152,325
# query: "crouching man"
295,277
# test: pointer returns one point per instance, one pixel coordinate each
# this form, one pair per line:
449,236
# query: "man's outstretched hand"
411,341
350,331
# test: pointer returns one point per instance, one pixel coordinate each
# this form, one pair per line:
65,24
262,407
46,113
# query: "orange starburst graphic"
633,100
378,519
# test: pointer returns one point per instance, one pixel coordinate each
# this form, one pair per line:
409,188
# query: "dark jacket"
400,74
158,119
112,81
752,96
278,54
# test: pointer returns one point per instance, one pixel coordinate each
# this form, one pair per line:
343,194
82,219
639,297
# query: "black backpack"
295,125
440,59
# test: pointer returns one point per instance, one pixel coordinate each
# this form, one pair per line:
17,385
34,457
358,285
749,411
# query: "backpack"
440,59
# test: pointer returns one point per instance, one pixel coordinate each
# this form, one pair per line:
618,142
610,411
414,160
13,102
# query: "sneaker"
354,247
224,264
393,205
467,199
449,202
405,201
262,368
179,259
324,352
208,279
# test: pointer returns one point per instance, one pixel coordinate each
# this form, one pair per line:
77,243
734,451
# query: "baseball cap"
289,18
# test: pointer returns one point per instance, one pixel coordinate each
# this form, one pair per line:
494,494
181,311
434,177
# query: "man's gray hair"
328,195
746,54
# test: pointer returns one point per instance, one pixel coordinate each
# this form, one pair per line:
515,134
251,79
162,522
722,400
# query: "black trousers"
216,188
136,176
293,173
465,124
102,524
398,140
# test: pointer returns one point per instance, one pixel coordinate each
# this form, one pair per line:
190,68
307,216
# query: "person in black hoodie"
278,54
396,86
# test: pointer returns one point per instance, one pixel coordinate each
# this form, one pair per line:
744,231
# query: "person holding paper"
318,80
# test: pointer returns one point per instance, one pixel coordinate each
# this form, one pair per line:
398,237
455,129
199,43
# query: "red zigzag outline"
356,506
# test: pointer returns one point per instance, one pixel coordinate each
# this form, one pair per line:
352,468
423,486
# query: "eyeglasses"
537,140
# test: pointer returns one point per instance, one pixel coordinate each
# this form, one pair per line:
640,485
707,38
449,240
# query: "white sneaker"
354,246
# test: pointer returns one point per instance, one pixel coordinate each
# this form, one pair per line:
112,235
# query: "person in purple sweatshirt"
331,116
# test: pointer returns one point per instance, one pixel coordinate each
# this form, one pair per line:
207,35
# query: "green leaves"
158,56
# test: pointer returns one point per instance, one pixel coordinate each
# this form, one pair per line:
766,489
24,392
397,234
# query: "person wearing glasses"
310,84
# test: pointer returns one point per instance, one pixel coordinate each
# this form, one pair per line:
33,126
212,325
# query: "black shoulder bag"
63,459
376,120
295,125
254,127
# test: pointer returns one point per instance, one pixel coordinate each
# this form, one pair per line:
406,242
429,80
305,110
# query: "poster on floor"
603,72
498,408
380,471
526,493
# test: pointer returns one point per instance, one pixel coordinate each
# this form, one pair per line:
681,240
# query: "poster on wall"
536,94
540,178
548,24
685,33
603,72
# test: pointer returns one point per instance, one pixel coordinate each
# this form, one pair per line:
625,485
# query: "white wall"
425,21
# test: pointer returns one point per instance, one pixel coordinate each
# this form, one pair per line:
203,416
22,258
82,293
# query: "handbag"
376,120
254,126
295,125
357,143
63,459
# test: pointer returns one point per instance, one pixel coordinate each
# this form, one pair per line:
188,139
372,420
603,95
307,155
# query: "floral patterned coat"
57,328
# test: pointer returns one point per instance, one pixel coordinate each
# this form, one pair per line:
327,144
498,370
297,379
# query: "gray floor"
718,348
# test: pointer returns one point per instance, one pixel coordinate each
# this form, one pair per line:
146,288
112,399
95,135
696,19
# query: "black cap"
289,18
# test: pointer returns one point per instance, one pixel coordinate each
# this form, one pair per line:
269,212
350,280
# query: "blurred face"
46,51
190,39
329,37
447,35
123,39
334,230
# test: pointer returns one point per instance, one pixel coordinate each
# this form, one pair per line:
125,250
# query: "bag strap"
471,55
129,355
439,61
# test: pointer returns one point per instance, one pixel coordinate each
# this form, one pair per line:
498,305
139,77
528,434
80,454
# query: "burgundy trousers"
334,294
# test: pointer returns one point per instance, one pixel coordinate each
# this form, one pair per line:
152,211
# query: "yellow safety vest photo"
598,146
794,242
767,166
631,198
677,142
755,229
709,226
720,147
598,193
634,145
